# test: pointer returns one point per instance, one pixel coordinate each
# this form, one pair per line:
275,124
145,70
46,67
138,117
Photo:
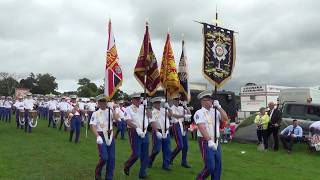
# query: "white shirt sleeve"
198,117
93,120
153,117
121,114
70,108
127,114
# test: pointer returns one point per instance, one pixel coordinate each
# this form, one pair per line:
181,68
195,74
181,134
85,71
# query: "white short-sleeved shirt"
19,105
100,118
207,117
52,105
91,106
41,103
81,105
120,111
46,104
136,115
178,110
1,103
315,125
28,104
7,104
64,106
158,116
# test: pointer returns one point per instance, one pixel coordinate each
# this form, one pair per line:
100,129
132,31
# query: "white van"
299,95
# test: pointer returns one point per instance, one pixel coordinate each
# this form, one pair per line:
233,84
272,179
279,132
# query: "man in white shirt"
91,107
64,108
291,134
180,115
2,109
315,128
19,106
82,105
101,127
28,106
41,107
137,122
121,123
52,106
208,121
8,106
160,133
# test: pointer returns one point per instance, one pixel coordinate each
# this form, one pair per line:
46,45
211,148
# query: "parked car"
305,113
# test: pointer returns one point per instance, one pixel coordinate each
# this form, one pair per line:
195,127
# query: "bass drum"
56,117
33,119
85,118
67,121
22,121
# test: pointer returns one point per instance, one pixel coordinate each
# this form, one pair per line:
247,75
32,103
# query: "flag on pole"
113,72
183,74
147,67
168,72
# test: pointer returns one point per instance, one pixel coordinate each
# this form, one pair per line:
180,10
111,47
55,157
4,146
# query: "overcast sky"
278,41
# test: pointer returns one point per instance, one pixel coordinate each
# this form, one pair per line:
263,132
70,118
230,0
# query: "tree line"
46,84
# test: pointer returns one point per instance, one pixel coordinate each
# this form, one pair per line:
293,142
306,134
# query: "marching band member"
179,115
82,110
52,106
46,108
28,106
121,123
75,123
160,133
2,109
209,144
73,100
91,106
64,107
75,119
41,108
138,138
19,106
100,127
7,107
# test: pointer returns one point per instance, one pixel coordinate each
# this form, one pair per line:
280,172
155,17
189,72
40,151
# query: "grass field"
47,154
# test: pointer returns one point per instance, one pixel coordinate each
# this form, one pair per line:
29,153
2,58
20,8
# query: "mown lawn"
47,154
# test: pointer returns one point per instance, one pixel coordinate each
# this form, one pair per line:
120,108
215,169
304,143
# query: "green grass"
46,154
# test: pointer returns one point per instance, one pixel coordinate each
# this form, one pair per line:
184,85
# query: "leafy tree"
29,82
46,83
8,83
40,84
87,88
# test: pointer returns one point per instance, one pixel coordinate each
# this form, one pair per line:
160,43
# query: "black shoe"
185,166
126,171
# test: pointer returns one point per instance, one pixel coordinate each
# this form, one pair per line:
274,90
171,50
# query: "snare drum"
56,114
33,114
21,113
